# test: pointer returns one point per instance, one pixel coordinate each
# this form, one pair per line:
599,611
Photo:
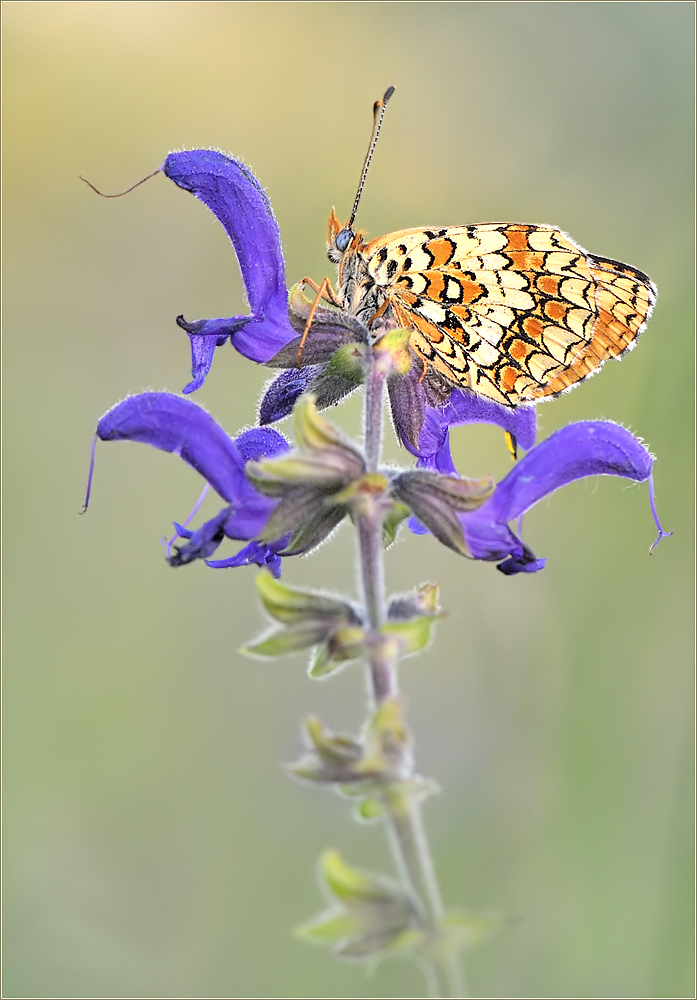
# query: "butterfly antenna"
380,106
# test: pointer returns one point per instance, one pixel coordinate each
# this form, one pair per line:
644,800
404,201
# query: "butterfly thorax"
357,290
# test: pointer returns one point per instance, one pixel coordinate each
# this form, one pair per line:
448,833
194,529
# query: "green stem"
403,811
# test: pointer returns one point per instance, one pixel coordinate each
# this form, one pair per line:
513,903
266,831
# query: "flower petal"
469,408
177,425
261,442
205,335
256,552
408,407
463,407
200,543
588,448
239,202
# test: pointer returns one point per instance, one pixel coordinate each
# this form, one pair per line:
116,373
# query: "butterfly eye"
343,239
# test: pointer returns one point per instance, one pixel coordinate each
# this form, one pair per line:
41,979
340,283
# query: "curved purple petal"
465,407
204,336
178,425
469,408
588,448
239,202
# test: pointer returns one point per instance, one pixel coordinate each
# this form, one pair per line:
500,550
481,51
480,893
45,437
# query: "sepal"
369,913
291,605
392,352
392,520
333,758
327,470
316,525
365,766
311,619
436,500
308,482
461,495
314,433
341,376
285,641
331,329
411,636
463,929
342,646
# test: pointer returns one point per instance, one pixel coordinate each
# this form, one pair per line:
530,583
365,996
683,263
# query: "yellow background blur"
153,845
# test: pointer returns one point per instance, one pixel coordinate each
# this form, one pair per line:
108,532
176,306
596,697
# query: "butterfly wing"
514,312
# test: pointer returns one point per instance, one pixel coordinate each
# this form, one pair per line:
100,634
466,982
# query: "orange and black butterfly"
514,312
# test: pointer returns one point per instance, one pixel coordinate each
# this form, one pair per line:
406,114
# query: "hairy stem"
403,811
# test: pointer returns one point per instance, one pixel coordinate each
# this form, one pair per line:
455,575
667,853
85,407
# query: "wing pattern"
515,312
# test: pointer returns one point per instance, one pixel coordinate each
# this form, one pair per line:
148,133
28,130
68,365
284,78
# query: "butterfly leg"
327,291
324,290
380,311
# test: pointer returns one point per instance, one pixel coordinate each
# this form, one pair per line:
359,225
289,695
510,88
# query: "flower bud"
423,601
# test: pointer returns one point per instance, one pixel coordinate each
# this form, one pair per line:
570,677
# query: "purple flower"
239,202
588,448
177,425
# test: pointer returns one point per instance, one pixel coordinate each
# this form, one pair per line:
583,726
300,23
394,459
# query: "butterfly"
514,312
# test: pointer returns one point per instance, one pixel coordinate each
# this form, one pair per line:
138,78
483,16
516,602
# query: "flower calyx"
309,619
309,482
329,362
331,329
369,768
436,500
371,918
391,352
369,914
411,619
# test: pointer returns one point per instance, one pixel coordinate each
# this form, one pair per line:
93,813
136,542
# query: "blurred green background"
153,845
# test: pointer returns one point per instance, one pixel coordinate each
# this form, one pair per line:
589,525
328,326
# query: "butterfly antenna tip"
379,106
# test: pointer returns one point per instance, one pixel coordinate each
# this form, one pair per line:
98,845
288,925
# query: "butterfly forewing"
514,312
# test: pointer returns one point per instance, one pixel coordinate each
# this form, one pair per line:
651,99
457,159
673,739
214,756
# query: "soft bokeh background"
153,845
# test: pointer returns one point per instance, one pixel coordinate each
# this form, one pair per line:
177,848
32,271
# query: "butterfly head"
341,238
